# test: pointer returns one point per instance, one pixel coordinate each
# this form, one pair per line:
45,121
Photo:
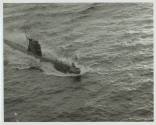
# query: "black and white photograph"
78,62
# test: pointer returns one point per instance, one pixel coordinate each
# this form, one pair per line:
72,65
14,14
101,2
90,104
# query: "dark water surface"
114,46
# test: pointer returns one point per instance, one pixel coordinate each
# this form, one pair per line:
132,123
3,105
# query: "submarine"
35,48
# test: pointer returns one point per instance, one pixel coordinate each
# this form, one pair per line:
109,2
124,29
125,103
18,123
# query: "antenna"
26,34
25,29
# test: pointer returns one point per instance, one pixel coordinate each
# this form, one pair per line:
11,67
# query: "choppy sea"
112,43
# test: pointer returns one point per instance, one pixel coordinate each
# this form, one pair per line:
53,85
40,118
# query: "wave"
90,8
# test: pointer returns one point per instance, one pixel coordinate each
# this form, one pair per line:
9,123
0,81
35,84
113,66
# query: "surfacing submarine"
35,48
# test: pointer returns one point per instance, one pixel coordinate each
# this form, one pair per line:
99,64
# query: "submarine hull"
59,65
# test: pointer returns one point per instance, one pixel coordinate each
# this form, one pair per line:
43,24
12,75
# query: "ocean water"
112,43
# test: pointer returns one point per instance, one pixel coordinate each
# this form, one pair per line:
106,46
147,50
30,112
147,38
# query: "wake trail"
16,46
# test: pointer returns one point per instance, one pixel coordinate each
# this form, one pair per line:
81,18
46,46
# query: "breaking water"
113,44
